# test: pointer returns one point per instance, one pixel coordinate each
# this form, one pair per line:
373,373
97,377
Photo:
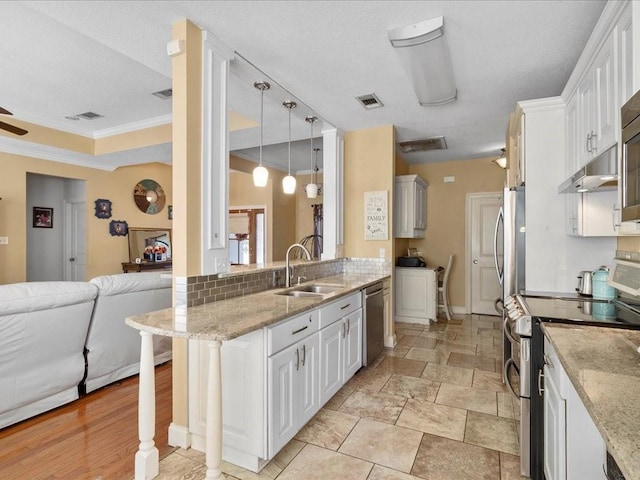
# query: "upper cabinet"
409,207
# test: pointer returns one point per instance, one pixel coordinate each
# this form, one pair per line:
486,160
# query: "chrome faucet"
288,271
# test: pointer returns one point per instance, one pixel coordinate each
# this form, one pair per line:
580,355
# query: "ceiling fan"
11,128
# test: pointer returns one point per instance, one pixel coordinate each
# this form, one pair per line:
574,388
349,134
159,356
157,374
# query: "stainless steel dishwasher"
373,324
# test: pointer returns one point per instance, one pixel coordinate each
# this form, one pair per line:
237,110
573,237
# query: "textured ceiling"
64,58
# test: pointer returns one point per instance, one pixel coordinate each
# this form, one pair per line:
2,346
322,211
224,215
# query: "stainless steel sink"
298,293
312,290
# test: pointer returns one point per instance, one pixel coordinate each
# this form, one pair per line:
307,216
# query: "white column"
333,187
214,413
147,461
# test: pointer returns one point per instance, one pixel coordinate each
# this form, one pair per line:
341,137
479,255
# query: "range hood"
599,174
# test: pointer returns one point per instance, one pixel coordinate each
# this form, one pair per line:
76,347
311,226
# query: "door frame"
266,224
467,248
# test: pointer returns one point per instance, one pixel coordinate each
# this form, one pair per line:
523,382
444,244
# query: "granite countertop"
228,319
603,365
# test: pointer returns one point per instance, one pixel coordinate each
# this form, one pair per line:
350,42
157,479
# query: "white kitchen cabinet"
571,146
592,214
416,294
293,390
410,206
389,334
340,345
554,416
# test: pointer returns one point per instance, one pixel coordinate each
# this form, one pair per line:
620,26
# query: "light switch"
4,240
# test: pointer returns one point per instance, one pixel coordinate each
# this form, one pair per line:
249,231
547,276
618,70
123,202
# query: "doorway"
247,238
483,286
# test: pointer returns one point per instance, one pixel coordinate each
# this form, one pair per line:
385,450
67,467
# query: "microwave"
630,123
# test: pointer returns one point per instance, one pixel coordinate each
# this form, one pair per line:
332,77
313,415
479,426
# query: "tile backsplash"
201,289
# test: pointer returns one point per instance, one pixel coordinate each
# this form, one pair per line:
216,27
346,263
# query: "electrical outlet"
4,240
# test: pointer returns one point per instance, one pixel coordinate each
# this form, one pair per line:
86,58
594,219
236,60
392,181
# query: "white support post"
214,413
147,462
333,196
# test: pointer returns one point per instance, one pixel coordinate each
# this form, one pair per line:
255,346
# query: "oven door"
631,171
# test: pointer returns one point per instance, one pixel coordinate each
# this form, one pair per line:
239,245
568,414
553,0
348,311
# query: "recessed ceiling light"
89,115
165,94
582,190
608,177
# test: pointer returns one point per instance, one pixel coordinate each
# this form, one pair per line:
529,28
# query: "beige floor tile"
509,467
435,419
371,380
427,355
425,342
412,332
488,381
402,366
412,387
468,398
315,463
384,473
272,469
405,340
455,346
413,326
491,432
505,406
448,374
379,406
472,361
328,429
338,399
443,459
179,467
396,352
493,351
474,339
439,335
383,444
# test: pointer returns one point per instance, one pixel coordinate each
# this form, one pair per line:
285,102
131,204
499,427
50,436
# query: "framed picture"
118,228
103,208
42,217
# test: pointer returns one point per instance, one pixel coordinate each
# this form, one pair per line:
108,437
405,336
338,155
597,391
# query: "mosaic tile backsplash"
198,290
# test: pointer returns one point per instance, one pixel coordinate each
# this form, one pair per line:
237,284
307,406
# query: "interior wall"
446,210
369,157
629,244
401,244
104,252
45,245
284,217
304,207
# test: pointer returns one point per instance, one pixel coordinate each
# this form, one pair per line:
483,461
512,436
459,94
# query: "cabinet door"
420,207
431,294
306,382
606,112
282,370
411,288
331,360
353,344
573,205
586,115
571,165
598,214
554,430
403,209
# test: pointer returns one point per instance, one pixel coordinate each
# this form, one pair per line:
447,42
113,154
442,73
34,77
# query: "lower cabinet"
573,446
416,294
293,391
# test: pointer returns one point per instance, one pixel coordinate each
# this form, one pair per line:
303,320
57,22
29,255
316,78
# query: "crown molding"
133,126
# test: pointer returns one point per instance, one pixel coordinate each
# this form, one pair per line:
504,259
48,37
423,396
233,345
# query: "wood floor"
93,438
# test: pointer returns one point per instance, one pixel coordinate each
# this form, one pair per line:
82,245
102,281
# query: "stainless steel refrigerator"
510,268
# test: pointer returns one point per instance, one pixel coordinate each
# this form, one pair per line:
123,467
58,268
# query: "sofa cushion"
110,285
36,296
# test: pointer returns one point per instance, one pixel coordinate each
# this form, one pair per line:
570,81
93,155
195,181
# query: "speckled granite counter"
237,316
604,367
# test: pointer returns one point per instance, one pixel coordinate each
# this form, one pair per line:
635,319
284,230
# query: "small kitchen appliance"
585,283
601,289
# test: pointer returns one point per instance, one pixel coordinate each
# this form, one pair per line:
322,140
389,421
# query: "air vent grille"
89,115
164,94
370,101
423,144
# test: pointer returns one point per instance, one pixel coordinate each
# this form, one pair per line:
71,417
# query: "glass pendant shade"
289,184
312,190
260,176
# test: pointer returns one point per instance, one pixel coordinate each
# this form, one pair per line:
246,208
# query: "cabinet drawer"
340,308
290,331
554,368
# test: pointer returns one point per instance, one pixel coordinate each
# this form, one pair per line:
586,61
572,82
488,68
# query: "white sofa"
113,347
43,329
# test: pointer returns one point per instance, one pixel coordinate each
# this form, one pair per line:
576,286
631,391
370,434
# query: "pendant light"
261,174
289,182
312,188
316,170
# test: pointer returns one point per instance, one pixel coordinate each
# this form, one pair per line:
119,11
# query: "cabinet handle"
588,143
348,326
299,330
344,329
297,359
594,145
540,378
304,354
346,306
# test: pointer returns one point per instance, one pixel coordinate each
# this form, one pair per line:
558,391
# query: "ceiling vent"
164,94
423,144
370,101
89,115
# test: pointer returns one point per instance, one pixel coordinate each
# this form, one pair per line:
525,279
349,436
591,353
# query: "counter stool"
443,292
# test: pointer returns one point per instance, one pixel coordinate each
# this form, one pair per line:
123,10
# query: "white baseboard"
179,436
390,341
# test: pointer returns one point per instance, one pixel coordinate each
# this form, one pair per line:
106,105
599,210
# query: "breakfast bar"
212,324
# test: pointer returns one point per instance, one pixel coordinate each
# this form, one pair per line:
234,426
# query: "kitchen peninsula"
226,320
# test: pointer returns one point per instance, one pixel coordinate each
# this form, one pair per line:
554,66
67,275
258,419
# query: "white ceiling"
61,58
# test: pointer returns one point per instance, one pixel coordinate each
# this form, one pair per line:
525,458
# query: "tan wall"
629,244
369,157
284,217
446,209
104,252
400,244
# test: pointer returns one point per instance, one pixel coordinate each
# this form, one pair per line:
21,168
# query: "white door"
74,242
331,360
281,381
485,287
353,344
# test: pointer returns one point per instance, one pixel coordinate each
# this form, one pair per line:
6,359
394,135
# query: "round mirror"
149,196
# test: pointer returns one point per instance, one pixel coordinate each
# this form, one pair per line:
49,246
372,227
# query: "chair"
443,292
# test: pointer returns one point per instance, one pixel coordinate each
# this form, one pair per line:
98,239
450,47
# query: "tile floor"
432,408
